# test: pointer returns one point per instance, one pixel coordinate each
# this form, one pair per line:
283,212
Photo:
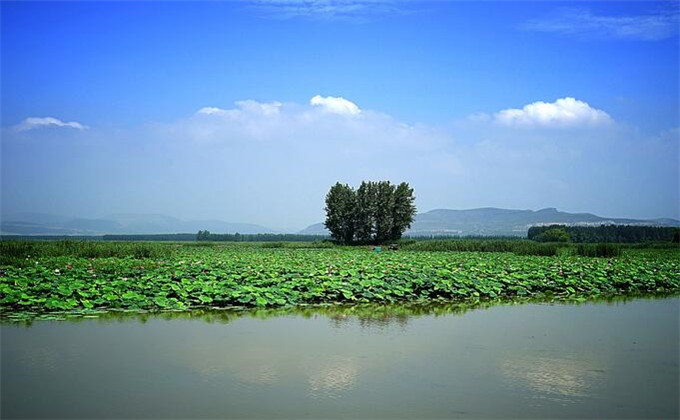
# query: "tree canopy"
376,212
556,234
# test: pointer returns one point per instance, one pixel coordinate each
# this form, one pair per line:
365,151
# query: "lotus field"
181,277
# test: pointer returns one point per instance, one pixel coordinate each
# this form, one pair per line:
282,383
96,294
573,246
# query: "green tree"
378,212
340,212
403,211
384,211
203,235
364,212
553,235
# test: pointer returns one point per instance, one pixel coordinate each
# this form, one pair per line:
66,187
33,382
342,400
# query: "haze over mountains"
491,221
482,221
46,224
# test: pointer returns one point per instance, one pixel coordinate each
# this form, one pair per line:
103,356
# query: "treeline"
604,233
172,237
204,235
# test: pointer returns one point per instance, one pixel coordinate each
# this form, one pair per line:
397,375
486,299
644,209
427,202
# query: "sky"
249,110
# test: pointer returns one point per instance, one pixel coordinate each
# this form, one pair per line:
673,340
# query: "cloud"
255,120
323,122
267,109
564,154
244,107
327,9
33,123
585,24
335,105
272,163
564,112
266,121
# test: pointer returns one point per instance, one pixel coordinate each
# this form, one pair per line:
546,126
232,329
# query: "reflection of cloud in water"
41,358
252,374
332,379
255,366
378,322
554,378
324,375
260,374
329,376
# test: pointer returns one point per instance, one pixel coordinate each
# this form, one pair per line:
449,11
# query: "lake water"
593,360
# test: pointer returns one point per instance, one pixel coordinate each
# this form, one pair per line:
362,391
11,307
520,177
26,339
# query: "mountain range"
483,221
47,224
491,221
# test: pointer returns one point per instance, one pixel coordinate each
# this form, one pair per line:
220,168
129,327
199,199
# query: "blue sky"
440,89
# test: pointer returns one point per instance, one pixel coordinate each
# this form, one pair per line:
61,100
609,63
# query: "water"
533,360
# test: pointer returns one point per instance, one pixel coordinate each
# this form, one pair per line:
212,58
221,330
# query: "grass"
44,277
598,250
519,247
16,252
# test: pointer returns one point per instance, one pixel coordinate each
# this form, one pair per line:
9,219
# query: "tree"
403,211
203,235
553,235
340,212
384,211
376,212
364,212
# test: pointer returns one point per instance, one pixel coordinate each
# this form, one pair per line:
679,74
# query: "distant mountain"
44,224
315,229
484,221
39,218
491,221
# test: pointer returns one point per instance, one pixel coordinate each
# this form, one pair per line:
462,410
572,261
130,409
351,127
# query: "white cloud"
267,109
33,123
244,107
210,110
564,112
478,161
582,23
290,153
328,9
322,120
335,105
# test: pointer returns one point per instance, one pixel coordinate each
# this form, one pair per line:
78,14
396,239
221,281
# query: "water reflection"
376,319
362,361
217,360
555,378
369,315
261,374
39,359
333,379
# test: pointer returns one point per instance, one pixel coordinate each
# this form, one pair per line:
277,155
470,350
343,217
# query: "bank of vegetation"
42,277
204,235
518,246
